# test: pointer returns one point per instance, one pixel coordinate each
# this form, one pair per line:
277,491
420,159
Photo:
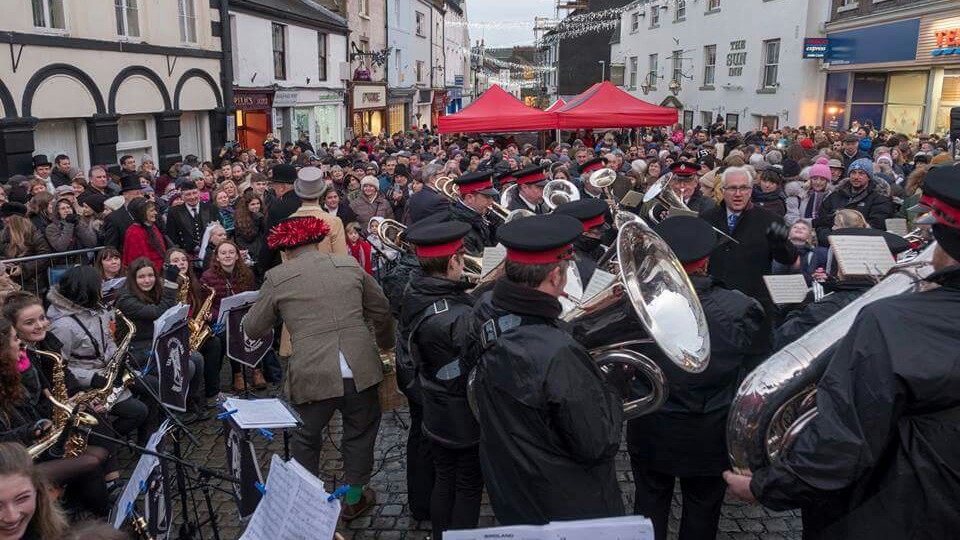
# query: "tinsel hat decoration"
295,232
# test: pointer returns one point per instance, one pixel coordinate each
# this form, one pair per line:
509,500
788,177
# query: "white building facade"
739,60
290,66
99,79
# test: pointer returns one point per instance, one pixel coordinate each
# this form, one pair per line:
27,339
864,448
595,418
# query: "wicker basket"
390,396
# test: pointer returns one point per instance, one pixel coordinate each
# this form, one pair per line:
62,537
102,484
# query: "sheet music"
621,528
234,302
862,255
897,226
294,506
632,199
492,256
112,284
788,289
141,472
260,413
600,281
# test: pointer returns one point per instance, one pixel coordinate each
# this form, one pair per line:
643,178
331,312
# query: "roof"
496,111
307,12
605,105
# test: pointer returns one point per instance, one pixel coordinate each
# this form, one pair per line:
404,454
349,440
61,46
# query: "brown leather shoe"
350,512
259,383
239,385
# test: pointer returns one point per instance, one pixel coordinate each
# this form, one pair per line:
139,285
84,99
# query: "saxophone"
63,412
127,380
199,329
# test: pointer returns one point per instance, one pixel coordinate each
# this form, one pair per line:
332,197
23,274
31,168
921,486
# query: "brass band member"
472,207
686,438
529,192
882,457
435,306
325,301
550,426
587,247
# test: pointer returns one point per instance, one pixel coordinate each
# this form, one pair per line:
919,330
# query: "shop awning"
556,105
496,111
604,105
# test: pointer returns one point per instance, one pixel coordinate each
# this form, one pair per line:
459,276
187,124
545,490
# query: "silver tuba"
654,288
778,398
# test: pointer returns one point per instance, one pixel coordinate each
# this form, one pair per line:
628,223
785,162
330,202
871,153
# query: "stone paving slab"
390,517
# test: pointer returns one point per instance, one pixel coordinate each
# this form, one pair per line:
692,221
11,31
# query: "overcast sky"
491,11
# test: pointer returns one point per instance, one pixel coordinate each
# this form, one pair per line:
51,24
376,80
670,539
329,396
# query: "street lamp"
674,87
603,69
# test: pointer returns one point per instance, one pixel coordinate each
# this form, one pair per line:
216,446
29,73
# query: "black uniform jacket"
687,436
433,312
882,458
425,203
187,232
549,425
483,233
803,320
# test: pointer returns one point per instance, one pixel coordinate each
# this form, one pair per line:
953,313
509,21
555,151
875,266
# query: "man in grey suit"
326,302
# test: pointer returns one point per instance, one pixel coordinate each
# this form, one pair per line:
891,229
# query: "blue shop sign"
892,42
816,47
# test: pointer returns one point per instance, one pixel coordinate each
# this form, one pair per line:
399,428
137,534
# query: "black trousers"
361,422
702,499
457,489
420,473
212,352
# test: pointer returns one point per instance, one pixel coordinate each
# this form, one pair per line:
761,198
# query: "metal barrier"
48,269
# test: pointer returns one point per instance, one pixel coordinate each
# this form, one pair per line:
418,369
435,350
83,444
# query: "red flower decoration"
297,232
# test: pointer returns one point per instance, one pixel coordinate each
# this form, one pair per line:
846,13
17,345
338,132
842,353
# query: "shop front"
316,114
254,116
368,108
907,85
424,103
400,108
454,99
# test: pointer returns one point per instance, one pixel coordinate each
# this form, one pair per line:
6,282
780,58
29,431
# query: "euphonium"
199,329
62,412
778,398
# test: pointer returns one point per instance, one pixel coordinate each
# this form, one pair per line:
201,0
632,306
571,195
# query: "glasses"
735,189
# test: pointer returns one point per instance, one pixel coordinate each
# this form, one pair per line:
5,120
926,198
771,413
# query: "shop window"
869,87
128,19
837,85
135,137
49,14
906,95
949,98
187,13
866,114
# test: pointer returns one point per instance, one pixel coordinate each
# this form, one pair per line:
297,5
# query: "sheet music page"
622,528
294,506
492,256
897,226
632,199
674,212
112,284
600,281
260,413
233,302
168,320
788,289
862,255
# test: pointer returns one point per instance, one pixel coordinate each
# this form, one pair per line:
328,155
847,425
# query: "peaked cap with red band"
505,179
541,239
941,194
532,175
684,169
478,182
437,239
295,232
691,239
594,164
590,212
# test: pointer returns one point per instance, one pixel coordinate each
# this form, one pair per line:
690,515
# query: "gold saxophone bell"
65,413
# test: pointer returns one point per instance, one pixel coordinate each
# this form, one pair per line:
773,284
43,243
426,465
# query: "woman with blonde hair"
846,218
32,512
20,238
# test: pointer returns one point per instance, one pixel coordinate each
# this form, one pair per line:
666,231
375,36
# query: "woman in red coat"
143,238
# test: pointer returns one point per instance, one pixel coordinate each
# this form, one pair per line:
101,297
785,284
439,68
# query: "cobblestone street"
390,518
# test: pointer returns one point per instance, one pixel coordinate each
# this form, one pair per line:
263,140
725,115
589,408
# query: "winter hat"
64,190
756,160
791,168
774,157
93,200
196,174
820,169
114,203
885,157
862,164
807,144
370,181
73,172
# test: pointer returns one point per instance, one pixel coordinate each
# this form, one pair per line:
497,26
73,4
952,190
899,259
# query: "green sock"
354,494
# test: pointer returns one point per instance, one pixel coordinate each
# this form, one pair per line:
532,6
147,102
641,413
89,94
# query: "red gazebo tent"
556,105
497,111
604,105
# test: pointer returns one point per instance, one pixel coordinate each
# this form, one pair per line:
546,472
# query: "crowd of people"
302,225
